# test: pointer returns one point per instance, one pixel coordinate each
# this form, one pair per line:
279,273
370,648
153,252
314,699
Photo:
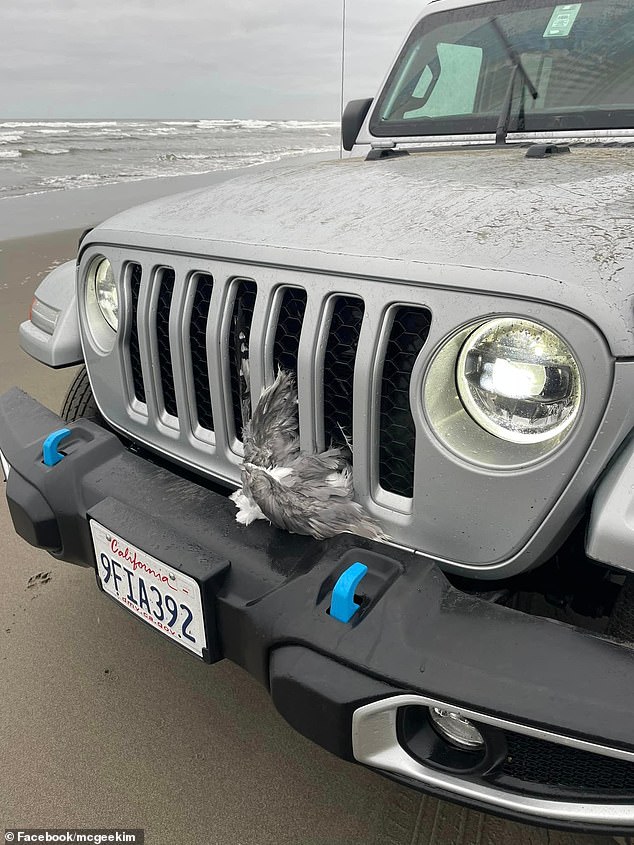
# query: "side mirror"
352,120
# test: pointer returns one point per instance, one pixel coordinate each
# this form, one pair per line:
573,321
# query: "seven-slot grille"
176,328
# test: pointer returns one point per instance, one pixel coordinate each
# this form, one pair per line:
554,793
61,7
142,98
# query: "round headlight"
106,293
519,380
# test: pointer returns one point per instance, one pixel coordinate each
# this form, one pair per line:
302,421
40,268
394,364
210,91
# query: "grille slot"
549,764
163,308
135,275
339,361
397,433
289,329
239,335
198,346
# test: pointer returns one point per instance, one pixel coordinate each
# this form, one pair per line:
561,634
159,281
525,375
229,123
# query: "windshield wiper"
502,129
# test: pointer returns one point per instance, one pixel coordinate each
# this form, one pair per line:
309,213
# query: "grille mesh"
397,438
135,352
198,346
549,764
289,329
239,335
163,306
339,360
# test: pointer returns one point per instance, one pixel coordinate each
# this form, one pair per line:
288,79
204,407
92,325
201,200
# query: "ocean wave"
106,152
81,180
242,157
233,123
137,133
55,124
43,151
58,151
219,156
112,130
268,126
331,148
311,124
185,157
75,177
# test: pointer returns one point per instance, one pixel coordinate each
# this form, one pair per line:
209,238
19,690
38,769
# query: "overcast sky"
192,58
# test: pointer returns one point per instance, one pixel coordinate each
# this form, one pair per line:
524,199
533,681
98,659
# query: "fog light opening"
456,730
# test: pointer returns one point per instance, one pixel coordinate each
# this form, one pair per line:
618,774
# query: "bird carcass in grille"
301,492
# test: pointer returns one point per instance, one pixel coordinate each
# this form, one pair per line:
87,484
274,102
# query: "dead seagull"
303,493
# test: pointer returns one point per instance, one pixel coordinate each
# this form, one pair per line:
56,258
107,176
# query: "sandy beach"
103,723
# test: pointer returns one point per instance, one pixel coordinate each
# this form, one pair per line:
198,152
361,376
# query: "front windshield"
458,72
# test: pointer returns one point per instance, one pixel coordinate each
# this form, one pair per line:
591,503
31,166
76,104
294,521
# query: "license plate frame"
150,588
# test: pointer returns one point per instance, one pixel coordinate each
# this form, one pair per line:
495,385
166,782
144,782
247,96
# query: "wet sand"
104,723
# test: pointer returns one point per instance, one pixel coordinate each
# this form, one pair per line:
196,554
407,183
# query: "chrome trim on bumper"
375,743
5,467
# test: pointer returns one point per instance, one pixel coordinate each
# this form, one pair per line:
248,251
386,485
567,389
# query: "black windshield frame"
479,124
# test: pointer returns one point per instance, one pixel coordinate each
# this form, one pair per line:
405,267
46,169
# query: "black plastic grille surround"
289,329
135,275
548,764
397,434
239,336
339,361
198,347
163,305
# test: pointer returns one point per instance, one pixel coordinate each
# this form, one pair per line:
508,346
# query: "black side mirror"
352,120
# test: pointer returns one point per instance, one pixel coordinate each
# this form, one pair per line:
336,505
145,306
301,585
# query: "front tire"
79,400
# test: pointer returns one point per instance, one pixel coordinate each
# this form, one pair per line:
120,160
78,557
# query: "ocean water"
52,155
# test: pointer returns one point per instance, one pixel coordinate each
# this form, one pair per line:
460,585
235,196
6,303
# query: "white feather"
278,473
338,479
248,510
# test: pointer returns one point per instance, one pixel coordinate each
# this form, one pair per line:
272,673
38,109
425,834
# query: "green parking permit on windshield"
562,20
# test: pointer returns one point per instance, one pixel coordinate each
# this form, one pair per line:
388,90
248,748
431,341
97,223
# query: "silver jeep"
455,303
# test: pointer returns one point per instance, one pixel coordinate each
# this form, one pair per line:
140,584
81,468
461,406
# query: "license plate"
160,595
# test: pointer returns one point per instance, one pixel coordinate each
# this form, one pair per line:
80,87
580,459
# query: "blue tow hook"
343,606
50,452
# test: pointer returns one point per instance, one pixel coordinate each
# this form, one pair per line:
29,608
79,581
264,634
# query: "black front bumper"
266,598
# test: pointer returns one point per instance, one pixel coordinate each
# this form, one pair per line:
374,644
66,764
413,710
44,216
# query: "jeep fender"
51,335
610,537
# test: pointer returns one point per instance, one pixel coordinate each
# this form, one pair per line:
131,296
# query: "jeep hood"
558,229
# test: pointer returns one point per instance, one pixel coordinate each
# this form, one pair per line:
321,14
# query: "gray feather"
270,437
300,514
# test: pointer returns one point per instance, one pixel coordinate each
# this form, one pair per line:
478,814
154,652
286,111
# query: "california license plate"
160,595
